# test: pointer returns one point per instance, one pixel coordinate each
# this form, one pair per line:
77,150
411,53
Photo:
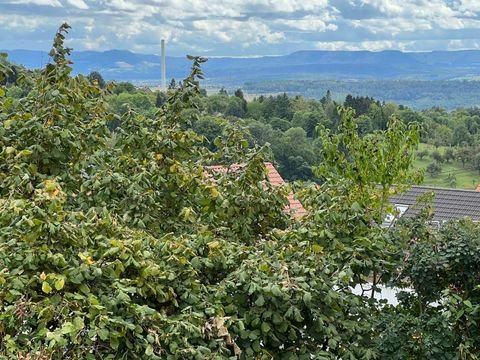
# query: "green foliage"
96,79
417,94
435,155
114,245
126,244
442,314
379,159
422,153
121,87
434,169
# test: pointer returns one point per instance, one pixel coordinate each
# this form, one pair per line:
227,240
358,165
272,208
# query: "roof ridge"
441,188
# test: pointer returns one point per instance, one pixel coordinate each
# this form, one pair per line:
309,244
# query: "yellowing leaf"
59,284
24,153
9,150
50,185
43,276
8,123
89,260
214,192
46,288
213,245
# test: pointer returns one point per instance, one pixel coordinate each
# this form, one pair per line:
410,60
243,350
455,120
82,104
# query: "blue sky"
243,27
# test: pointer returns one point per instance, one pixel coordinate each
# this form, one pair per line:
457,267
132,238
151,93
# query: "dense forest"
449,153
118,242
417,94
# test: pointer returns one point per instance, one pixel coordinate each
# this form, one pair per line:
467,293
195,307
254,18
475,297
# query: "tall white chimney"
164,70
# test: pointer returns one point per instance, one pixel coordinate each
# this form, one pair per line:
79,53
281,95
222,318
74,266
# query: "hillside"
125,65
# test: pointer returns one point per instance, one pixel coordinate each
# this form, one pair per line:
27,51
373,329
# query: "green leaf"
265,327
260,301
78,323
307,298
149,350
114,343
68,328
103,334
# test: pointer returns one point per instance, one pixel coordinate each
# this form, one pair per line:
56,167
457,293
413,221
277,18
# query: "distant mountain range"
303,65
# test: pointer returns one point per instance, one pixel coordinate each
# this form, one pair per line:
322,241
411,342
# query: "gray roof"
447,204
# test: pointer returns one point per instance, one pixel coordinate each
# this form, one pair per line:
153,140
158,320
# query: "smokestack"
164,71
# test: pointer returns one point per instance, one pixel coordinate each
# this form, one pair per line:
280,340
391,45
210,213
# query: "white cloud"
309,23
244,33
242,27
392,26
54,3
79,4
123,65
96,43
18,23
469,7
366,45
122,5
286,6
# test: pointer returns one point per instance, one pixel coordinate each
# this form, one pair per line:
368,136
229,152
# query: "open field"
466,178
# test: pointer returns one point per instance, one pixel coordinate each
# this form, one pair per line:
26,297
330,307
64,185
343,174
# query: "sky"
243,27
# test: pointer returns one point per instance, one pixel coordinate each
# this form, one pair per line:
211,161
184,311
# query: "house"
294,206
447,204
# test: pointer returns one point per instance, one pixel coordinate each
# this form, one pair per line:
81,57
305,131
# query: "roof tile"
447,204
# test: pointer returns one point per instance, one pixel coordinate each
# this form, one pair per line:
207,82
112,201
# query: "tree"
435,155
122,87
96,78
443,270
280,124
476,161
160,99
461,135
434,169
382,158
172,85
463,154
239,94
308,121
422,153
327,99
451,180
236,107
294,154
358,174
11,71
119,239
449,155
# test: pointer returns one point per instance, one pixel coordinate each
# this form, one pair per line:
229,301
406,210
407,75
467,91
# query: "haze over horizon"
243,28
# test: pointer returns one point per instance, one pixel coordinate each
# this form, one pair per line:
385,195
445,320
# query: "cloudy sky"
243,27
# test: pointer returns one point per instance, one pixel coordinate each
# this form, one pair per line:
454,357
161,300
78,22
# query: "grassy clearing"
465,177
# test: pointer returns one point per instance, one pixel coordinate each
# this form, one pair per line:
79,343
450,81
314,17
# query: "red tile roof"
294,206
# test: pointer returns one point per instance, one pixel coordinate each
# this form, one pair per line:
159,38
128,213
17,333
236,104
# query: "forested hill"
337,65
